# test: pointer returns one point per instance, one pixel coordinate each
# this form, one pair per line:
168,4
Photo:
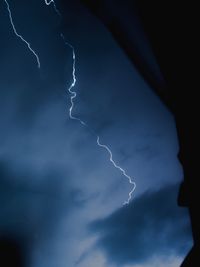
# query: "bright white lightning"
119,168
20,36
73,95
72,85
48,3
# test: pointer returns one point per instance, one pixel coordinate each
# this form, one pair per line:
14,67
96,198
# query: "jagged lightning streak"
19,35
73,95
72,85
120,169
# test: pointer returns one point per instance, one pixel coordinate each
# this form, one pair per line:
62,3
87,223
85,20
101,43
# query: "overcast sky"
59,192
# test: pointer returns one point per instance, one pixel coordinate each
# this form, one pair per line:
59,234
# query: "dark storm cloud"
152,225
32,210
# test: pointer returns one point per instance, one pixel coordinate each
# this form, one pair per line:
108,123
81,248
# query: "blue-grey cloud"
32,210
52,172
152,225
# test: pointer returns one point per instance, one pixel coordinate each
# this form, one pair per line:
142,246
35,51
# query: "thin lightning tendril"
48,3
70,89
73,94
120,169
20,36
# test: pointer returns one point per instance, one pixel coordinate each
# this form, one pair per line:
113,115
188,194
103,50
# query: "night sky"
60,195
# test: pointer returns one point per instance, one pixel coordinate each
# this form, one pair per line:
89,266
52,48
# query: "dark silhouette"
11,253
171,29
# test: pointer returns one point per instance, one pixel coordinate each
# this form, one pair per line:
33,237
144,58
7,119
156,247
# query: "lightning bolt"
120,169
73,94
72,98
19,35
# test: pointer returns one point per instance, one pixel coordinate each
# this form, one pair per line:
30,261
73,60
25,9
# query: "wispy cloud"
151,225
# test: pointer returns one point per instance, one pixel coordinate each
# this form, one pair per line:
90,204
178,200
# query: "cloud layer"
152,225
